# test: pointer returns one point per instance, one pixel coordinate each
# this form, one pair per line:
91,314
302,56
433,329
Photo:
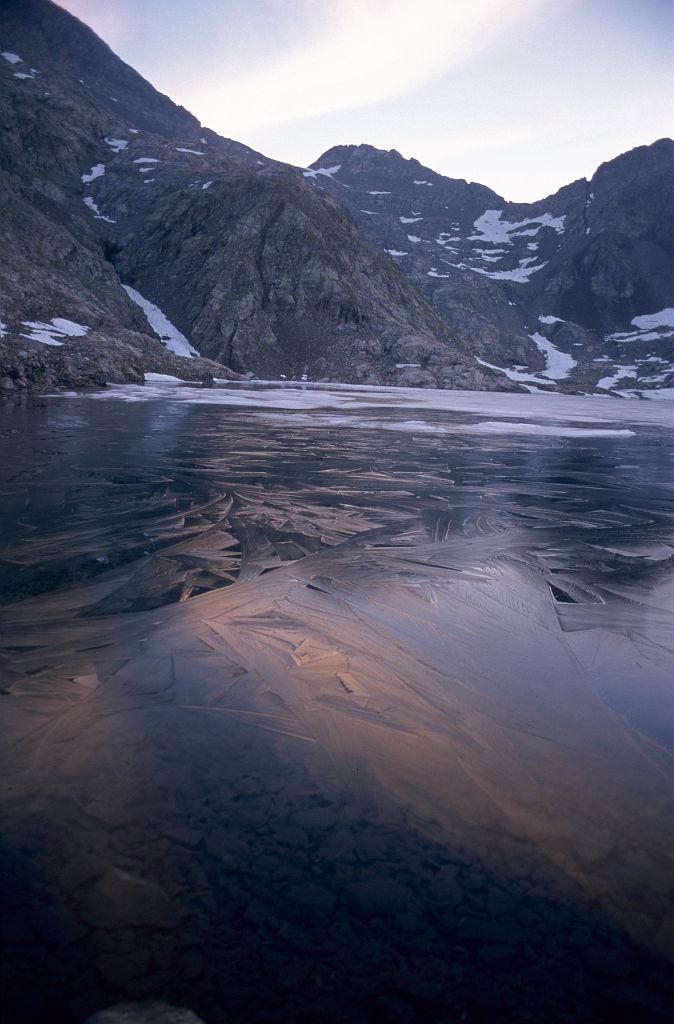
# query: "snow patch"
415,182
97,171
559,364
11,58
490,227
51,333
207,184
195,152
606,383
520,275
161,325
370,213
23,74
512,374
665,318
146,160
488,255
325,171
433,272
163,378
3,329
409,220
395,252
89,201
551,320
380,193
116,145
650,327
413,238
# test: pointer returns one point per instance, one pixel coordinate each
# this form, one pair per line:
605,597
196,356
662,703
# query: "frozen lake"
327,704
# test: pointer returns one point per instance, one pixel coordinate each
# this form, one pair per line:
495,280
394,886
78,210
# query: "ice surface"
195,152
559,364
52,333
116,145
490,227
97,171
598,409
161,325
11,58
409,220
280,679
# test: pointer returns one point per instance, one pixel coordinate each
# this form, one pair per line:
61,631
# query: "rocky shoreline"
31,368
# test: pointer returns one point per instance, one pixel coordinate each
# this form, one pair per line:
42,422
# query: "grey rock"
122,900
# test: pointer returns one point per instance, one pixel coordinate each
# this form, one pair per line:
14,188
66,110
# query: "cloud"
353,53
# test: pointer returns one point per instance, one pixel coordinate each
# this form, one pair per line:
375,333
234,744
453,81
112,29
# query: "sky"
521,95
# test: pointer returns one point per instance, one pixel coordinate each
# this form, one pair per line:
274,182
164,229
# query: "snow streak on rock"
161,325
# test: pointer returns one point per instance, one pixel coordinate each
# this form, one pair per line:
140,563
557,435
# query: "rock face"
553,291
367,268
107,182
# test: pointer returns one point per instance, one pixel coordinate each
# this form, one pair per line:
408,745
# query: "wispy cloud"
353,53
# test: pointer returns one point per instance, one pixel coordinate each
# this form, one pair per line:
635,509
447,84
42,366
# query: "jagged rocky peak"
364,163
546,292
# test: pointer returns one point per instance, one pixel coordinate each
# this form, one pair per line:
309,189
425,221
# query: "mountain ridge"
278,270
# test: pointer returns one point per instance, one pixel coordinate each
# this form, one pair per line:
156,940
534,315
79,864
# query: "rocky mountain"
135,240
115,198
573,292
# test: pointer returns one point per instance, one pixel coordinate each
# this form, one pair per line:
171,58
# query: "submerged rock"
144,1013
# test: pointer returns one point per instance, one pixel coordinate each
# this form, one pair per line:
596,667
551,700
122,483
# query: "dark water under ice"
336,705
